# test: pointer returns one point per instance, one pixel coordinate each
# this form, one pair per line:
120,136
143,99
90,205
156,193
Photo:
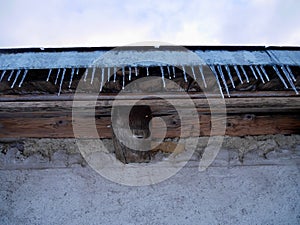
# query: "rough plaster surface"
254,180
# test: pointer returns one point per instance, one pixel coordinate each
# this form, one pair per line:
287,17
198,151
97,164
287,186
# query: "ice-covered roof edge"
38,58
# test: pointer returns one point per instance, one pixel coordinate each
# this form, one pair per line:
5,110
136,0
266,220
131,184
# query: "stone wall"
47,153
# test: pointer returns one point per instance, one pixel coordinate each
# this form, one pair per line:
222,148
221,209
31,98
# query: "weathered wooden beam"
58,125
133,96
43,116
160,106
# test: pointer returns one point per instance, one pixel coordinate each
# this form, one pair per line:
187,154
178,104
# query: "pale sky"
80,23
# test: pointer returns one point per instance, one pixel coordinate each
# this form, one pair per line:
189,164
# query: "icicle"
129,72
217,79
10,75
193,72
238,73
108,74
168,68
136,71
253,72
77,71
115,74
86,74
17,75
147,68
61,81
102,78
264,72
259,73
163,76
280,77
245,74
223,79
291,73
23,78
93,74
49,74
229,74
71,78
2,75
174,73
184,73
123,73
287,75
57,75
202,75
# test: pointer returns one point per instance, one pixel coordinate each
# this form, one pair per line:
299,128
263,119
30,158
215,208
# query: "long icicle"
2,75
57,75
71,78
129,72
238,73
223,79
259,74
217,79
245,74
280,77
169,72
147,68
93,74
86,74
193,72
287,75
202,75
184,73
102,78
253,72
163,76
291,73
115,74
229,74
123,73
264,72
174,72
23,78
16,78
77,71
136,71
61,80
10,75
49,74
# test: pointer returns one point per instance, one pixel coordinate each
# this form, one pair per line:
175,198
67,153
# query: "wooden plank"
50,118
41,125
160,106
133,96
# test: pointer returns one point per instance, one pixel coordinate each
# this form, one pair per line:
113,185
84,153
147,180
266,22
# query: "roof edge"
165,47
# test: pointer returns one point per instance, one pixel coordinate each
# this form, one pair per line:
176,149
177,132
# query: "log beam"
53,119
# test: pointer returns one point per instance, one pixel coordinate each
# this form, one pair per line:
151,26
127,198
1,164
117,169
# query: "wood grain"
39,117
40,125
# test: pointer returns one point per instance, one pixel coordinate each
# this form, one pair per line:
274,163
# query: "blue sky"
57,23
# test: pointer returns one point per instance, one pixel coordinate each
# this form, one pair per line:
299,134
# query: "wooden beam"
160,106
133,96
28,118
59,125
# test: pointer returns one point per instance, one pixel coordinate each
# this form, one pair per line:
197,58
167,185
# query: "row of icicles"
258,71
